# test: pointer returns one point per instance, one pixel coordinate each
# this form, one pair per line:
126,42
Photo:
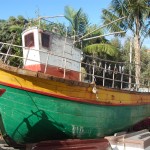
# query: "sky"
31,8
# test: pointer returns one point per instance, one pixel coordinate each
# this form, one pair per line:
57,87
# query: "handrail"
94,73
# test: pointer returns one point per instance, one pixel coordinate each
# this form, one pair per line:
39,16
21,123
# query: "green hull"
29,117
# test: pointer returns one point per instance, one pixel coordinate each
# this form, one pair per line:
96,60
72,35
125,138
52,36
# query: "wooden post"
46,64
130,65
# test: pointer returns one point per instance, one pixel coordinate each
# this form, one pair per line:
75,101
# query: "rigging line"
47,17
27,92
103,27
103,35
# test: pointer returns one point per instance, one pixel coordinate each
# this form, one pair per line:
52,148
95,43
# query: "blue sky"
28,9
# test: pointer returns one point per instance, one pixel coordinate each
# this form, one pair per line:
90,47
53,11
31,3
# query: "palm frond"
69,13
108,17
101,48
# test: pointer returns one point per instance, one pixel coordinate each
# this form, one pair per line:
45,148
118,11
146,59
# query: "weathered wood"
70,144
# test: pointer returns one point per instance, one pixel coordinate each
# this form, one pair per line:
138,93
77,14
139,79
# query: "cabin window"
29,40
45,40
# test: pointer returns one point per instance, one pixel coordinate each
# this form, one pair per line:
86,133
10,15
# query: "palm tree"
137,13
78,21
79,26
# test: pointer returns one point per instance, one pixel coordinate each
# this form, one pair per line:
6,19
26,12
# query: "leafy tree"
12,27
137,13
145,66
116,42
10,32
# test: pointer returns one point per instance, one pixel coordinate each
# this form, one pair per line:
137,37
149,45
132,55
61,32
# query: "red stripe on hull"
55,71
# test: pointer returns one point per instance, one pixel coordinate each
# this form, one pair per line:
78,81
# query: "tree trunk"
137,53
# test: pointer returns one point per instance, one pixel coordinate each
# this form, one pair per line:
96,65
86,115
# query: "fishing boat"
49,97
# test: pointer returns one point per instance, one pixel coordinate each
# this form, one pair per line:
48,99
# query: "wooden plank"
71,144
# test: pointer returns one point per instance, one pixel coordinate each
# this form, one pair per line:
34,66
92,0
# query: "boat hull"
38,107
31,117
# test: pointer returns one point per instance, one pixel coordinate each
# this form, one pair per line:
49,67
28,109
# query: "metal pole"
103,26
113,82
103,35
121,80
104,70
64,59
93,71
46,17
65,68
26,58
9,49
2,46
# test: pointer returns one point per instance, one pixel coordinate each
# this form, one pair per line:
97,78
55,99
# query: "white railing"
103,72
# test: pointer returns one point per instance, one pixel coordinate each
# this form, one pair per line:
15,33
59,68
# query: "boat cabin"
51,53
